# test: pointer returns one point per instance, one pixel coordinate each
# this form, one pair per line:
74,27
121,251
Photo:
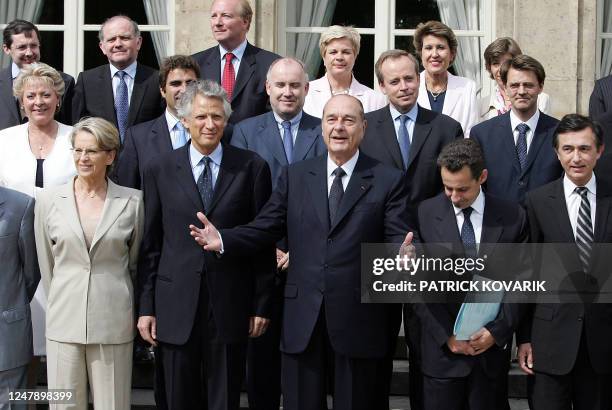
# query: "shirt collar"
531,122
196,156
412,114
294,121
477,206
238,52
348,166
569,187
171,120
129,70
15,70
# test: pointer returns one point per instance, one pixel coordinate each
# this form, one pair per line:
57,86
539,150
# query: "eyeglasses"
78,153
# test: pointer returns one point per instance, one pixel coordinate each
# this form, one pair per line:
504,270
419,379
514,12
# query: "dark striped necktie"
584,228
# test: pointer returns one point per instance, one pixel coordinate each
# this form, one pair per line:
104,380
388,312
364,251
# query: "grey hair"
135,28
205,88
287,59
105,133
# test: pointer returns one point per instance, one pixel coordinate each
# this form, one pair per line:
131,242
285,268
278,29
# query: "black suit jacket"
600,101
93,96
172,265
506,179
249,97
555,330
9,113
431,132
142,143
261,134
503,222
326,260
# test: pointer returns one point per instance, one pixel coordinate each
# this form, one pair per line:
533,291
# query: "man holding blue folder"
461,374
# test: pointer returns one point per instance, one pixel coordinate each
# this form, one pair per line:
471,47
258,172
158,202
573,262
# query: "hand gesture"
208,237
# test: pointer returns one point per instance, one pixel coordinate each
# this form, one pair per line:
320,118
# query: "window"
69,29
384,25
604,39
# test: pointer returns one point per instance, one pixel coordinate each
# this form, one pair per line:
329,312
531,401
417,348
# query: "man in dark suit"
327,206
236,64
460,374
600,101
122,91
146,140
567,345
21,41
408,137
200,309
517,145
283,136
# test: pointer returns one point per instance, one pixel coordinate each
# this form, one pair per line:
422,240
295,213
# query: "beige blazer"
90,293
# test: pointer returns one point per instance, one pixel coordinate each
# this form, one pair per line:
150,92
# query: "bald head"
287,86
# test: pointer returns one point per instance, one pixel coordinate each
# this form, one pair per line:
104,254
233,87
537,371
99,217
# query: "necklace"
436,95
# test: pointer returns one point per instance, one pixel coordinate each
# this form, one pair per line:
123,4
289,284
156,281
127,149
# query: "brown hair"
524,63
393,55
174,62
498,48
437,29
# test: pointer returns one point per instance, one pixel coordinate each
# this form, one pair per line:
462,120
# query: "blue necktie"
288,141
521,144
182,136
468,236
204,183
404,139
122,105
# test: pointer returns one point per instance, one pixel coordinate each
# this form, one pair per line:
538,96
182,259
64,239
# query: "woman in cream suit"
440,90
87,237
339,47
36,155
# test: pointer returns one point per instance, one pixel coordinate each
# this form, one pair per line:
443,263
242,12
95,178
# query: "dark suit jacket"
603,169
601,97
142,142
249,97
261,134
431,132
93,96
326,260
172,265
506,180
503,222
9,112
555,330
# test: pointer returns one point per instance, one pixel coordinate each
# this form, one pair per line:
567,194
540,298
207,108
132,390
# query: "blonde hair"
39,72
337,32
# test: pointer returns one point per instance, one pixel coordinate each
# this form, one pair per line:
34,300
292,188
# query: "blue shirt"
195,157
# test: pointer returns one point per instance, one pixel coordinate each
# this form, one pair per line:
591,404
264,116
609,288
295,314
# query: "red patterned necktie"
229,77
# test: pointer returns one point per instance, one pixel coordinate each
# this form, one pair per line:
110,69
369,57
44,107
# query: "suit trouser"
10,380
107,367
412,333
304,376
581,389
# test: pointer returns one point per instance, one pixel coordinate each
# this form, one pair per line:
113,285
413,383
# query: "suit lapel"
386,132
2,200
446,222
453,96
105,85
184,176
306,137
227,173
505,133
539,137
6,91
161,136
358,185
491,228
66,204
272,138
113,207
138,92
421,131
602,212
213,66
316,179
558,208
247,67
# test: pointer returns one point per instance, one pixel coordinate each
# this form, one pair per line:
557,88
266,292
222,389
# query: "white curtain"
308,13
464,15
606,47
10,10
157,13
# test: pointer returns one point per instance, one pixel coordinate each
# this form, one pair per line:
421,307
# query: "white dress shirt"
573,200
476,217
531,122
129,78
348,167
412,115
197,166
238,52
295,125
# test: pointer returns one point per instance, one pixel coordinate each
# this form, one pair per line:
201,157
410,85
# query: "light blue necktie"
122,105
288,141
182,136
404,139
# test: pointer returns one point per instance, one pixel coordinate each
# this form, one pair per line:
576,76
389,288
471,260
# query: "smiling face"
287,88
39,101
461,187
228,27
176,82
206,123
339,57
24,49
90,160
495,69
343,127
578,153
523,88
401,83
120,44
436,55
